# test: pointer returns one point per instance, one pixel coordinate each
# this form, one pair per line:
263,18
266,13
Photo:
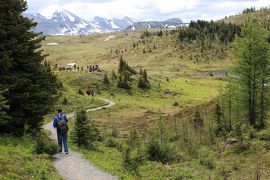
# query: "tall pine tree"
30,85
252,69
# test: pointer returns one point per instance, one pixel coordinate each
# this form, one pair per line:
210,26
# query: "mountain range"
63,22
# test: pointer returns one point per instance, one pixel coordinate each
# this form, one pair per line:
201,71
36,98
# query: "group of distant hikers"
60,123
91,68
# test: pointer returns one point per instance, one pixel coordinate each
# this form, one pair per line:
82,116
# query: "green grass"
18,160
108,159
207,163
180,63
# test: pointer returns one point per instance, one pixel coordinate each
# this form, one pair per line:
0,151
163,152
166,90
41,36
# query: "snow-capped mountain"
63,22
170,23
113,24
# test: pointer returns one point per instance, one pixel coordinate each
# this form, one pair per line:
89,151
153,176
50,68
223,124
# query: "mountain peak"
62,10
64,22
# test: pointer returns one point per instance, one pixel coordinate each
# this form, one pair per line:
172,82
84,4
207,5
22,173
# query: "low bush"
176,104
112,143
44,145
80,92
208,162
161,153
131,163
264,135
65,101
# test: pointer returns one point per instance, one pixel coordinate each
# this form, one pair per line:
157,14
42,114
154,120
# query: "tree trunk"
254,99
262,114
250,108
230,108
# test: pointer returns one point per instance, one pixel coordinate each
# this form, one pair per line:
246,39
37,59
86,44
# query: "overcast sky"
147,9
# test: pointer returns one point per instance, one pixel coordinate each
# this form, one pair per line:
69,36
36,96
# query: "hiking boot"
66,152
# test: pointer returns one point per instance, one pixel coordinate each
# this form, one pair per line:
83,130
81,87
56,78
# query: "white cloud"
147,9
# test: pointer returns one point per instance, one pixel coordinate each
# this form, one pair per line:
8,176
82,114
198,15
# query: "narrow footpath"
73,166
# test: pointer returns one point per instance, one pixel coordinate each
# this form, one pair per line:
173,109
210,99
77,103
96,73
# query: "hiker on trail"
60,123
89,91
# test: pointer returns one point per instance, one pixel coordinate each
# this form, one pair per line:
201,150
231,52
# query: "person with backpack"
60,123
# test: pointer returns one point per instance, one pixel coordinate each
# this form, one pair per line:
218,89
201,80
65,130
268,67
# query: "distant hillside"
262,16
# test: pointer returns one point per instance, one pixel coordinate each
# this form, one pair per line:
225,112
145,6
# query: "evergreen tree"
144,76
30,85
124,69
81,130
198,121
114,77
84,133
228,98
252,67
121,65
119,84
221,125
141,71
143,82
106,81
123,82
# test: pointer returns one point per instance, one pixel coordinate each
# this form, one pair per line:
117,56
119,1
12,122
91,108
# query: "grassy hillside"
18,160
261,16
170,65
186,79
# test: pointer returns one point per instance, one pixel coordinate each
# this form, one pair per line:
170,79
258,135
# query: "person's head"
59,115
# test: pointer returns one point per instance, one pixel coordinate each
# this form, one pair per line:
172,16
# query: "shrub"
115,132
65,101
80,92
242,144
264,135
110,142
208,162
84,133
131,163
164,153
133,139
114,77
223,127
44,145
106,81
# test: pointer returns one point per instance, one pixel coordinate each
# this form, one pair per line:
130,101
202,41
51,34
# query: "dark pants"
62,140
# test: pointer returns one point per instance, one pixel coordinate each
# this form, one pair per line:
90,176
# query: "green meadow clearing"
183,80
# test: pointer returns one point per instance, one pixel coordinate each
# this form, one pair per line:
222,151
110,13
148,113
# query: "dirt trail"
73,166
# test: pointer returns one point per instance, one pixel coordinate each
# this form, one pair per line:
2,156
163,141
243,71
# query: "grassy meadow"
183,80
168,68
